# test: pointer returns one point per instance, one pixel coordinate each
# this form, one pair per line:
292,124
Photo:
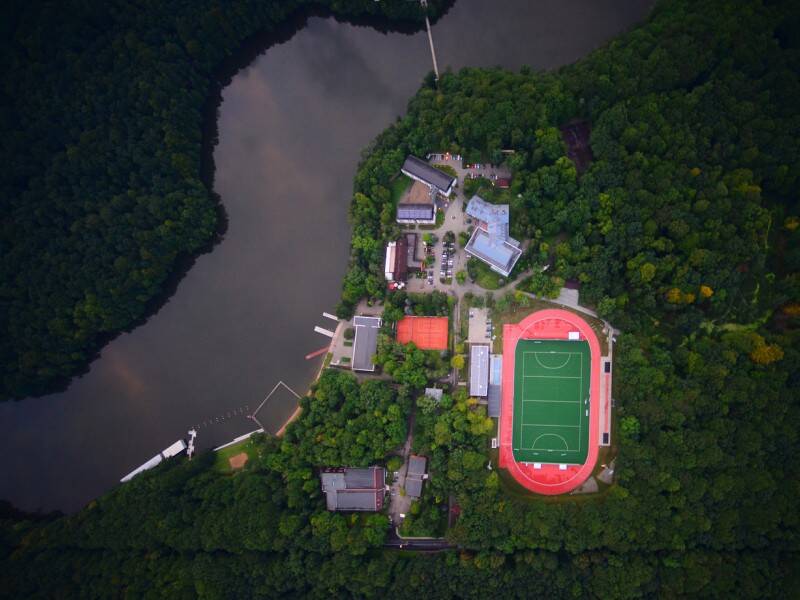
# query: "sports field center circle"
550,401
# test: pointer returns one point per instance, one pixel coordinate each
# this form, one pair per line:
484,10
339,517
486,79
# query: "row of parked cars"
445,156
448,257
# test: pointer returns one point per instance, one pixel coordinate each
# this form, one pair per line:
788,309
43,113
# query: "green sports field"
551,401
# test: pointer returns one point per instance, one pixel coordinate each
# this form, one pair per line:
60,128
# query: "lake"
291,127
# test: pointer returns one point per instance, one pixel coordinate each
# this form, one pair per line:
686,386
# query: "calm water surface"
291,127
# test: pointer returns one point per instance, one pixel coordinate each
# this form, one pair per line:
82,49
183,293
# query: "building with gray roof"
418,205
415,475
490,241
354,489
435,393
419,170
416,213
366,342
478,370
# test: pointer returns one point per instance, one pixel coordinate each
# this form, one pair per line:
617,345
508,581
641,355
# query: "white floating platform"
327,332
330,316
169,452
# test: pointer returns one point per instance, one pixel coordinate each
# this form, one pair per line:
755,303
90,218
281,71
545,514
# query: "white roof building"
391,258
478,370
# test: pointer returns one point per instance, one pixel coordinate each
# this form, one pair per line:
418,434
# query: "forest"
683,231
105,135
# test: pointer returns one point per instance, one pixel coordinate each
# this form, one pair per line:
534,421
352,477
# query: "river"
291,127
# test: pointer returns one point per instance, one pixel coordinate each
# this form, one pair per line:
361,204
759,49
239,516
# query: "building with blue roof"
490,241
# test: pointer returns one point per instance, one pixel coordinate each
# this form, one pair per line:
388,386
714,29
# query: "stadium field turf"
551,401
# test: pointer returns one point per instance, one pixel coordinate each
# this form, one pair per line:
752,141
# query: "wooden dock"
316,353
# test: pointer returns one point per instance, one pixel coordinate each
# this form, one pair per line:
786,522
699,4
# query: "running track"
550,324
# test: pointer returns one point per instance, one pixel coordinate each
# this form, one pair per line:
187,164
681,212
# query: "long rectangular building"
478,370
366,342
495,384
415,475
419,170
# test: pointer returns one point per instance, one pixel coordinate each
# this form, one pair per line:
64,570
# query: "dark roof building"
401,257
354,489
366,342
413,261
421,171
417,469
396,266
418,205
416,213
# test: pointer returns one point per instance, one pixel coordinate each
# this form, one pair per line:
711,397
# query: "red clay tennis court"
427,333
544,476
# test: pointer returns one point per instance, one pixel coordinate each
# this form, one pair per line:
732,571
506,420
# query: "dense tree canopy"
103,108
683,230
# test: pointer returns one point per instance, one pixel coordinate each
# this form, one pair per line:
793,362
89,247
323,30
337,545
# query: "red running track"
551,324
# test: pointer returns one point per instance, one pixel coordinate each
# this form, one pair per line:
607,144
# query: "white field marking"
555,435
580,415
580,377
569,356
543,425
556,401
549,377
559,367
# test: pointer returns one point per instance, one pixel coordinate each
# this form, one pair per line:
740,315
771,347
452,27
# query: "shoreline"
299,408
289,421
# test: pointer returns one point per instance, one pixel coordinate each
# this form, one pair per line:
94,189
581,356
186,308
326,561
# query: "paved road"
418,545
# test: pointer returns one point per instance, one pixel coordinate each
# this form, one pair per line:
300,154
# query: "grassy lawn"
515,315
221,458
425,519
399,187
484,276
463,307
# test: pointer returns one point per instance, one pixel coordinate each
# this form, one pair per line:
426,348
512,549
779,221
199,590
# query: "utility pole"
424,4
